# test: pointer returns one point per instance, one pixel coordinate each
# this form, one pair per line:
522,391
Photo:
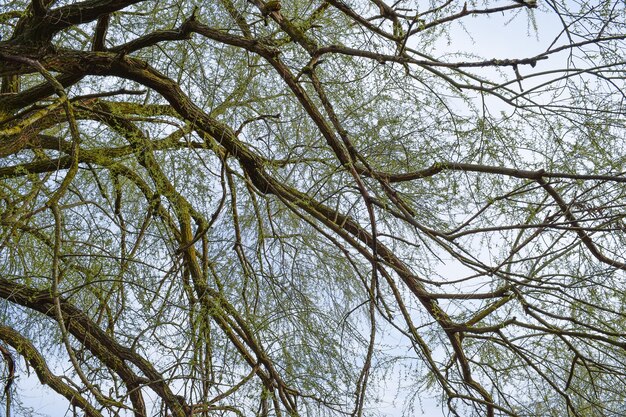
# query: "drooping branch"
35,359
101,345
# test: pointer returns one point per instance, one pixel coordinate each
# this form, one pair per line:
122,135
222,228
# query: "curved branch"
24,347
101,345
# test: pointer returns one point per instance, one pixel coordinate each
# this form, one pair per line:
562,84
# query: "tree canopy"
314,208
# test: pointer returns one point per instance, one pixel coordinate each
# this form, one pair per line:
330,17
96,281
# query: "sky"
491,38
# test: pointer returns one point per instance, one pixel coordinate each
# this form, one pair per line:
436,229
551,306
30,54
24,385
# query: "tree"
266,208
